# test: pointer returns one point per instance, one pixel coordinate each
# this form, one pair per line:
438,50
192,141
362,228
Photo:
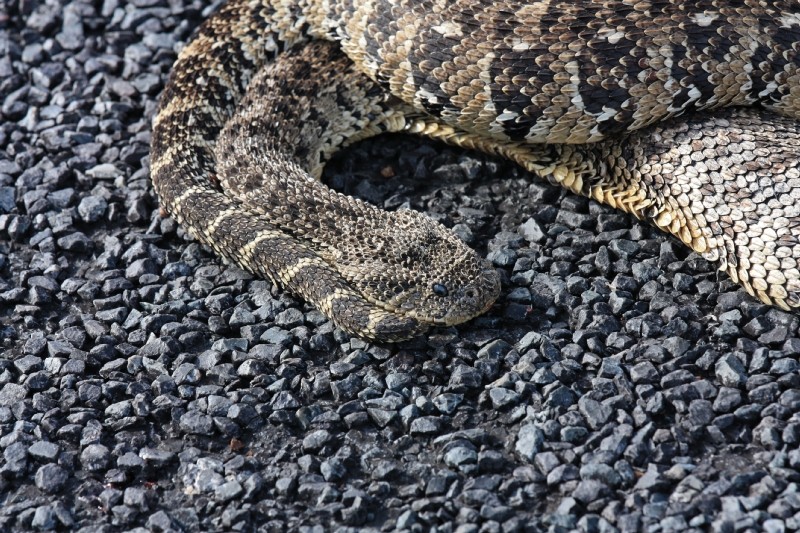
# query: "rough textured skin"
573,72
727,185
503,77
393,258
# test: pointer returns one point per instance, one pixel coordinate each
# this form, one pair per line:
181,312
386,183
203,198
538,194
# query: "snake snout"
473,297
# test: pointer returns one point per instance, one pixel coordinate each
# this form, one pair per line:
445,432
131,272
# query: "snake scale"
681,113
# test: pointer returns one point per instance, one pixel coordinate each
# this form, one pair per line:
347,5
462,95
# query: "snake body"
267,90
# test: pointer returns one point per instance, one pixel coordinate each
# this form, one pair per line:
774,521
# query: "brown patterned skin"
394,259
502,77
573,72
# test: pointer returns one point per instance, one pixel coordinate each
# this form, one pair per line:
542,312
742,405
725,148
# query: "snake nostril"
439,289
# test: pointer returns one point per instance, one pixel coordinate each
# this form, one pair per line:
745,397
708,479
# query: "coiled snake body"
582,93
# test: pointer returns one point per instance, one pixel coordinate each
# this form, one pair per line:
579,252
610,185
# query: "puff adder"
680,113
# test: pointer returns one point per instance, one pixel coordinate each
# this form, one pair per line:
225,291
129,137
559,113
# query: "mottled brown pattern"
575,72
256,104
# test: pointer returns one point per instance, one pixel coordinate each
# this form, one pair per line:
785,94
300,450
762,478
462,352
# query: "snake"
682,114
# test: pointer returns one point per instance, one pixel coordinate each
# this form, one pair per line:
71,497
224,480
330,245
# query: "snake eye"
439,289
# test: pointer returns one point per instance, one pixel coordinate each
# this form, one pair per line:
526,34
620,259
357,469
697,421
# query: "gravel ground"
618,385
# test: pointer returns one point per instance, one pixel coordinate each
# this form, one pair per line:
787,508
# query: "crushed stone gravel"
619,384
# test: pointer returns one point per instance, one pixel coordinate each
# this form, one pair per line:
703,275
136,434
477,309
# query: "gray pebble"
95,457
160,521
502,398
44,451
314,441
50,478
7,201
44,518
382,417
156,458
333,470
398,380
289,319
130,462
228,491
284,400
103,171
464,378
532,231
730,371
447,403
11,393
463,458
196,422
426,425
595,413
530,440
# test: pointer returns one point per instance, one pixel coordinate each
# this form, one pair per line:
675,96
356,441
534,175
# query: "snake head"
411,266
